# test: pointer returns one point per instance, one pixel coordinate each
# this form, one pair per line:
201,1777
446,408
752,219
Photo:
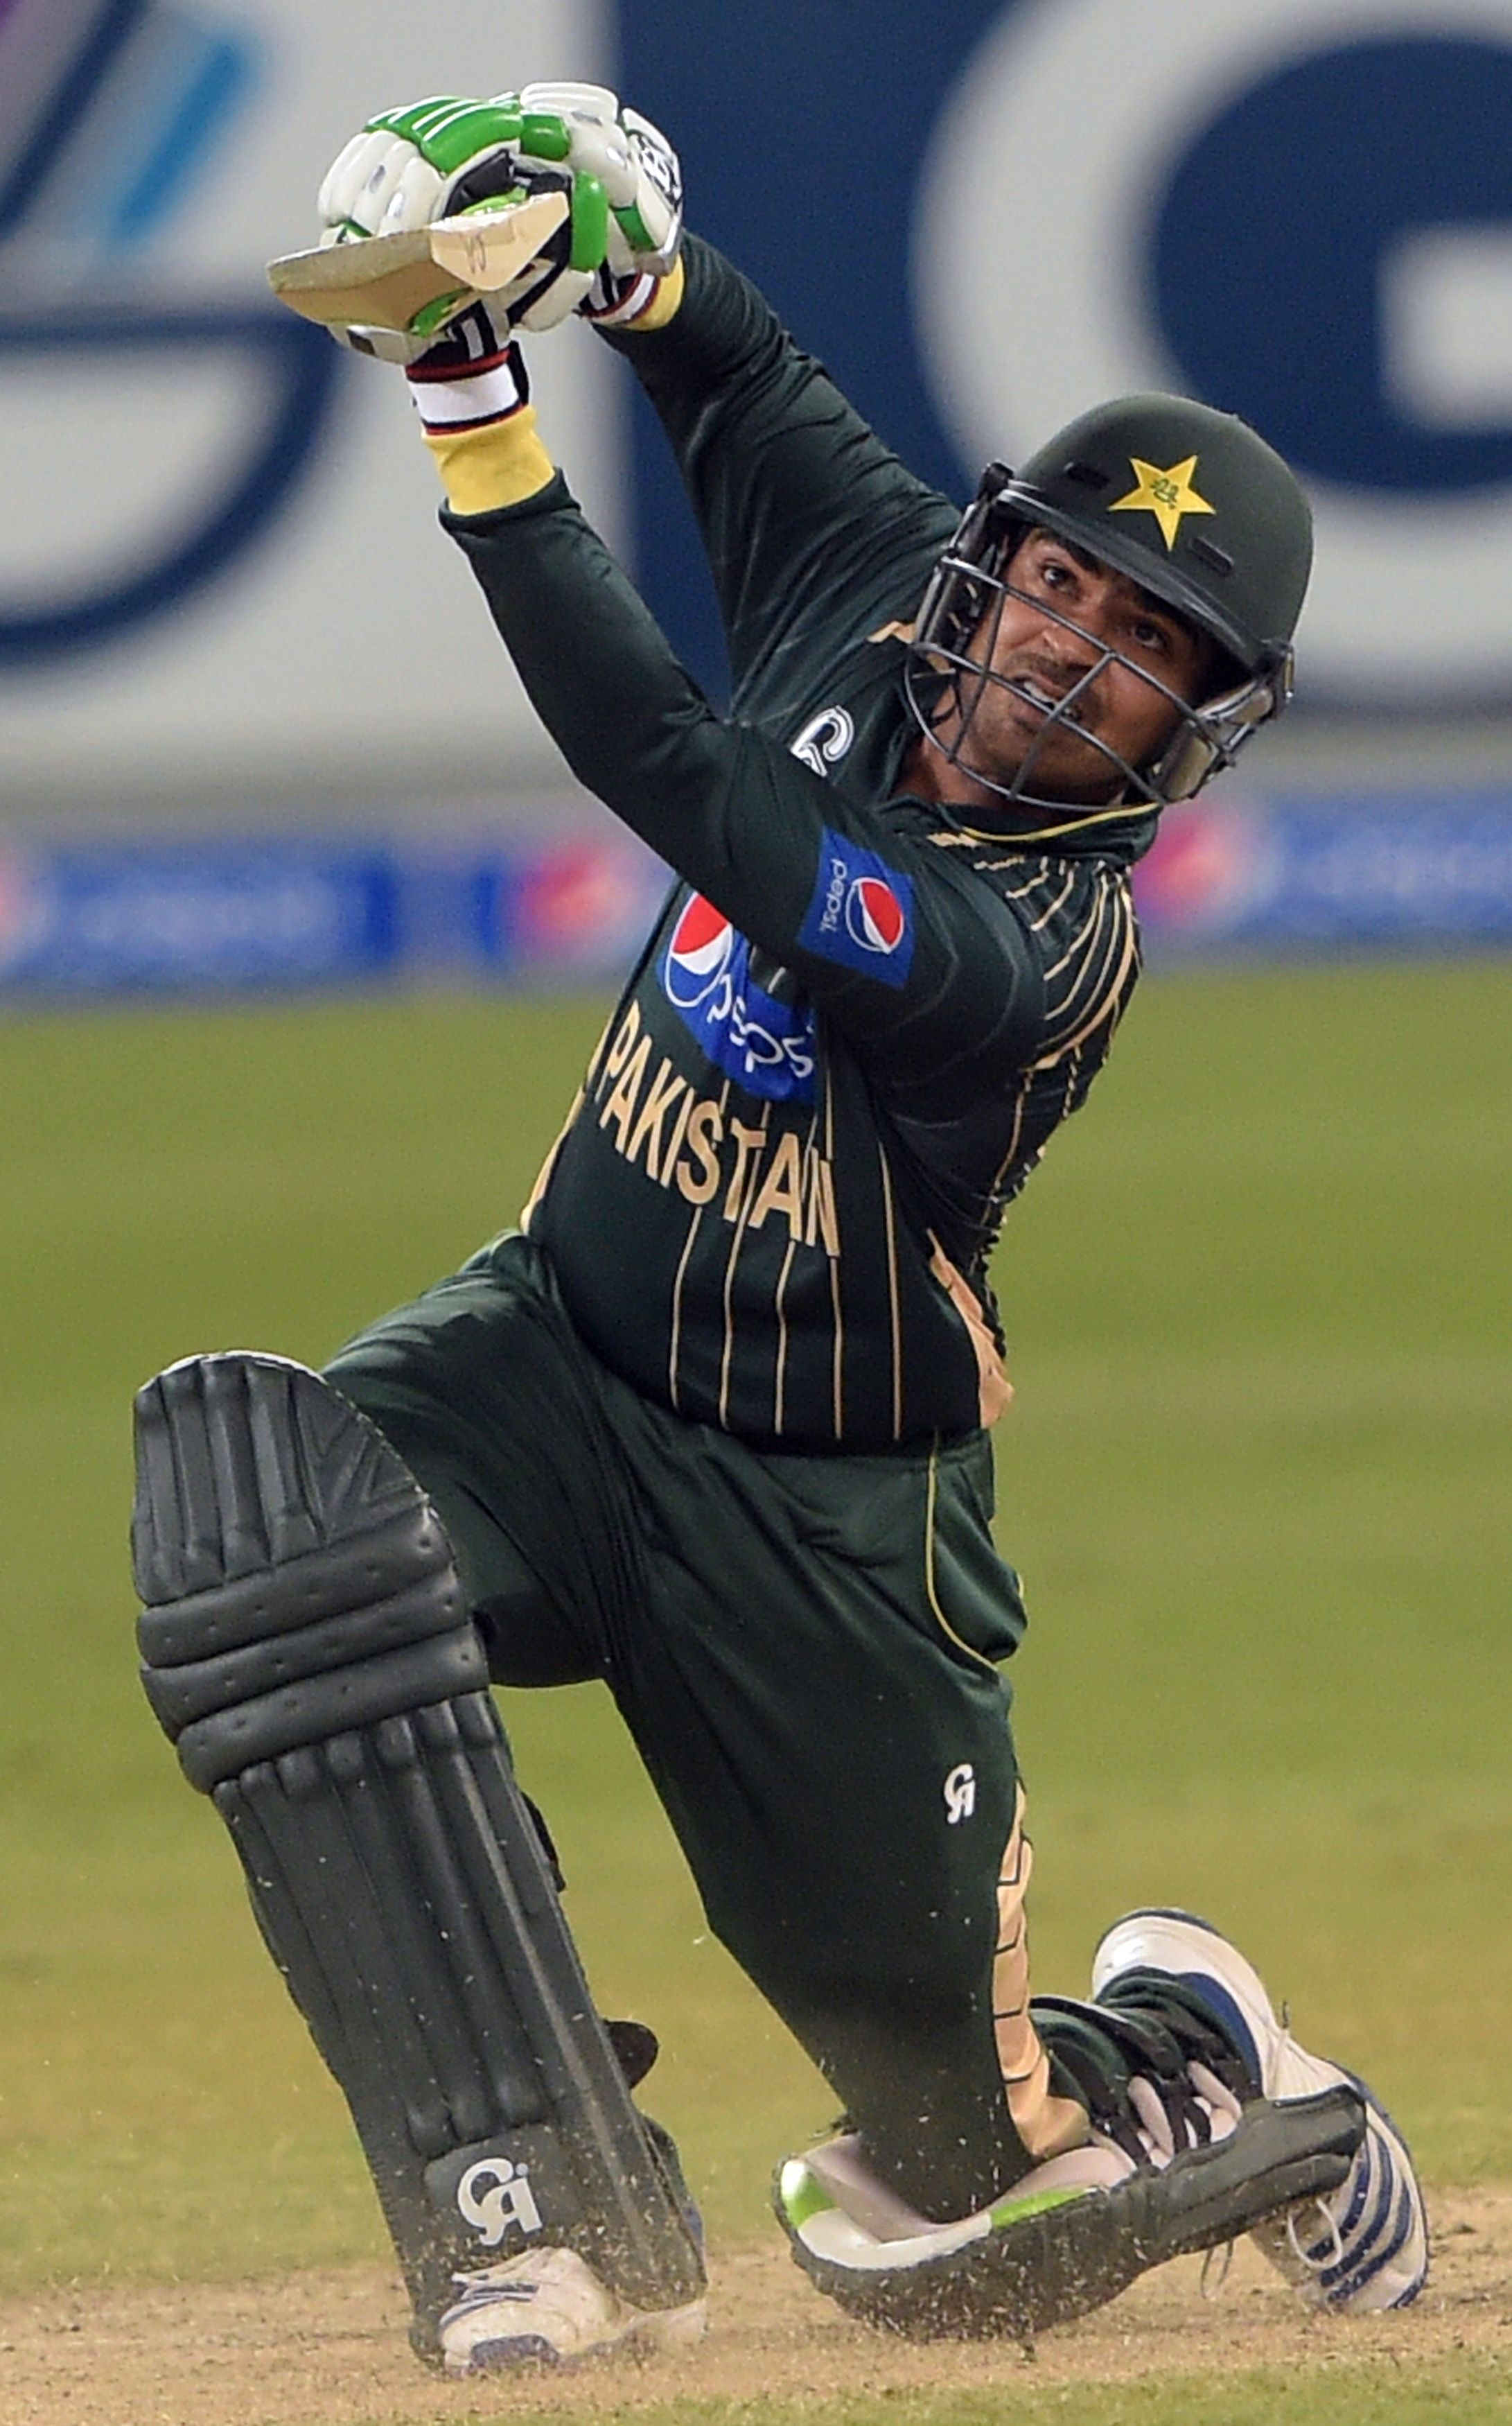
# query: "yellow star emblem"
1169,496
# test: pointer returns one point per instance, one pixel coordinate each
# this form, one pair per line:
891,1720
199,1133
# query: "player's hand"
642,179
440,158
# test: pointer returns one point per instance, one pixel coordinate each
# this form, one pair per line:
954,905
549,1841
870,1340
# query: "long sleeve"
855,1024
906,948
802,508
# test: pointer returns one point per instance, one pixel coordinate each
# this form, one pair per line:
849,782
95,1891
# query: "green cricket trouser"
802,1648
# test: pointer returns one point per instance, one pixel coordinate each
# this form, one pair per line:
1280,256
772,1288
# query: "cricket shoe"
1193,2167
1363,2246
548,2308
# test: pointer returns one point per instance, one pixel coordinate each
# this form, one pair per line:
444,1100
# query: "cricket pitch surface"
327,2348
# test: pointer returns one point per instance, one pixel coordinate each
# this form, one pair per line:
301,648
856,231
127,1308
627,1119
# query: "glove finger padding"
378,185
637,167
442,157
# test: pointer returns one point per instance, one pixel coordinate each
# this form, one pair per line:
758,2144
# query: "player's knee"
253,1471
392,1375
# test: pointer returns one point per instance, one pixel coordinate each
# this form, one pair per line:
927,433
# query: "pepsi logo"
767,1045
875,917
699,953
861,913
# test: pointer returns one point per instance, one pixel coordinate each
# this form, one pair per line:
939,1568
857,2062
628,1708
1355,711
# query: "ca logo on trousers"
491,2211
960,1793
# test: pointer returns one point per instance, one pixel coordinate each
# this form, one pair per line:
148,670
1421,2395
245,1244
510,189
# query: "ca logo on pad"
494,2195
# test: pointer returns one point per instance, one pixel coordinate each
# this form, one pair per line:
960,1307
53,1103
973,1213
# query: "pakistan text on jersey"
686,1140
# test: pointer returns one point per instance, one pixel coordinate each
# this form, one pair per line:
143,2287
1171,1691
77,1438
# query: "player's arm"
911,954
957,984
805,514
732,811
816,533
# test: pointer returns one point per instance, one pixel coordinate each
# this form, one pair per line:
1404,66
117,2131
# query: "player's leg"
309,1643
485,1390
840,1773
807,1767
830,1736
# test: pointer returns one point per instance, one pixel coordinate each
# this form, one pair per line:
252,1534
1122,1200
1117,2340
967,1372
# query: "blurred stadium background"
256,732
287,876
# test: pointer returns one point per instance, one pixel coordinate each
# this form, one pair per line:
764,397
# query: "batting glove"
443,158
642,180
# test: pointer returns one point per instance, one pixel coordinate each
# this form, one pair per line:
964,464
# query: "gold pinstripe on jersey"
675,1339
743,1186
902,1319
1082,911
894,1314
839,1350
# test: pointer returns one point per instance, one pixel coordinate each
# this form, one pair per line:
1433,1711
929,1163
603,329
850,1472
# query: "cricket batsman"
713,1424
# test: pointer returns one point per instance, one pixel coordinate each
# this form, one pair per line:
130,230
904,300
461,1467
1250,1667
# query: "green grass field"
1257,1478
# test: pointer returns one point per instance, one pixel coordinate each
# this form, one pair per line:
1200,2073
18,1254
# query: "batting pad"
307,1644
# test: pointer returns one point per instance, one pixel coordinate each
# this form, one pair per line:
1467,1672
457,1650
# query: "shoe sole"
666,2329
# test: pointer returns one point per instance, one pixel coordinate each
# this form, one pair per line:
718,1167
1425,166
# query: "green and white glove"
443,158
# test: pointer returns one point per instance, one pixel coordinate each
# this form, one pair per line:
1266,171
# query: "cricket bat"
383,282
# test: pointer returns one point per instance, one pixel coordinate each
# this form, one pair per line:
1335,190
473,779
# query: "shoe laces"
484,2290
1172,2116
1152,2080
511,2278
1318,2259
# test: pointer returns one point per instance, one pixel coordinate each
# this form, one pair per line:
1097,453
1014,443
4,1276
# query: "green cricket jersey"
857,1019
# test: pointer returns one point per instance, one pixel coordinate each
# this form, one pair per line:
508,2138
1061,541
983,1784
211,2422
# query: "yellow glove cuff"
663,303
500,464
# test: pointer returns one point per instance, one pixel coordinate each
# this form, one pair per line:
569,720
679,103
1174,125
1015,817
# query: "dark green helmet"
1189,503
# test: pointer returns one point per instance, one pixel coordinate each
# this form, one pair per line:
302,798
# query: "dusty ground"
328,2348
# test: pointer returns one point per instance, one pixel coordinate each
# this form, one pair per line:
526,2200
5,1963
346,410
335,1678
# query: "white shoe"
547,2307
1366,2245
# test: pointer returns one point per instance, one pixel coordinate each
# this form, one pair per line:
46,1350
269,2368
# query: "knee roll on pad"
306,1643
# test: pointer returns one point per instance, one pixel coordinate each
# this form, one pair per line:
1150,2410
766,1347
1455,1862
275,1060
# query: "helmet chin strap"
1076,823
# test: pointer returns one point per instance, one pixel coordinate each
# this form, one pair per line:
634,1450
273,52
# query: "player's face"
1022,640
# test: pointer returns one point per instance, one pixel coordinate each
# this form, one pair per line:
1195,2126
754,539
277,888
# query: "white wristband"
463,403
626,306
